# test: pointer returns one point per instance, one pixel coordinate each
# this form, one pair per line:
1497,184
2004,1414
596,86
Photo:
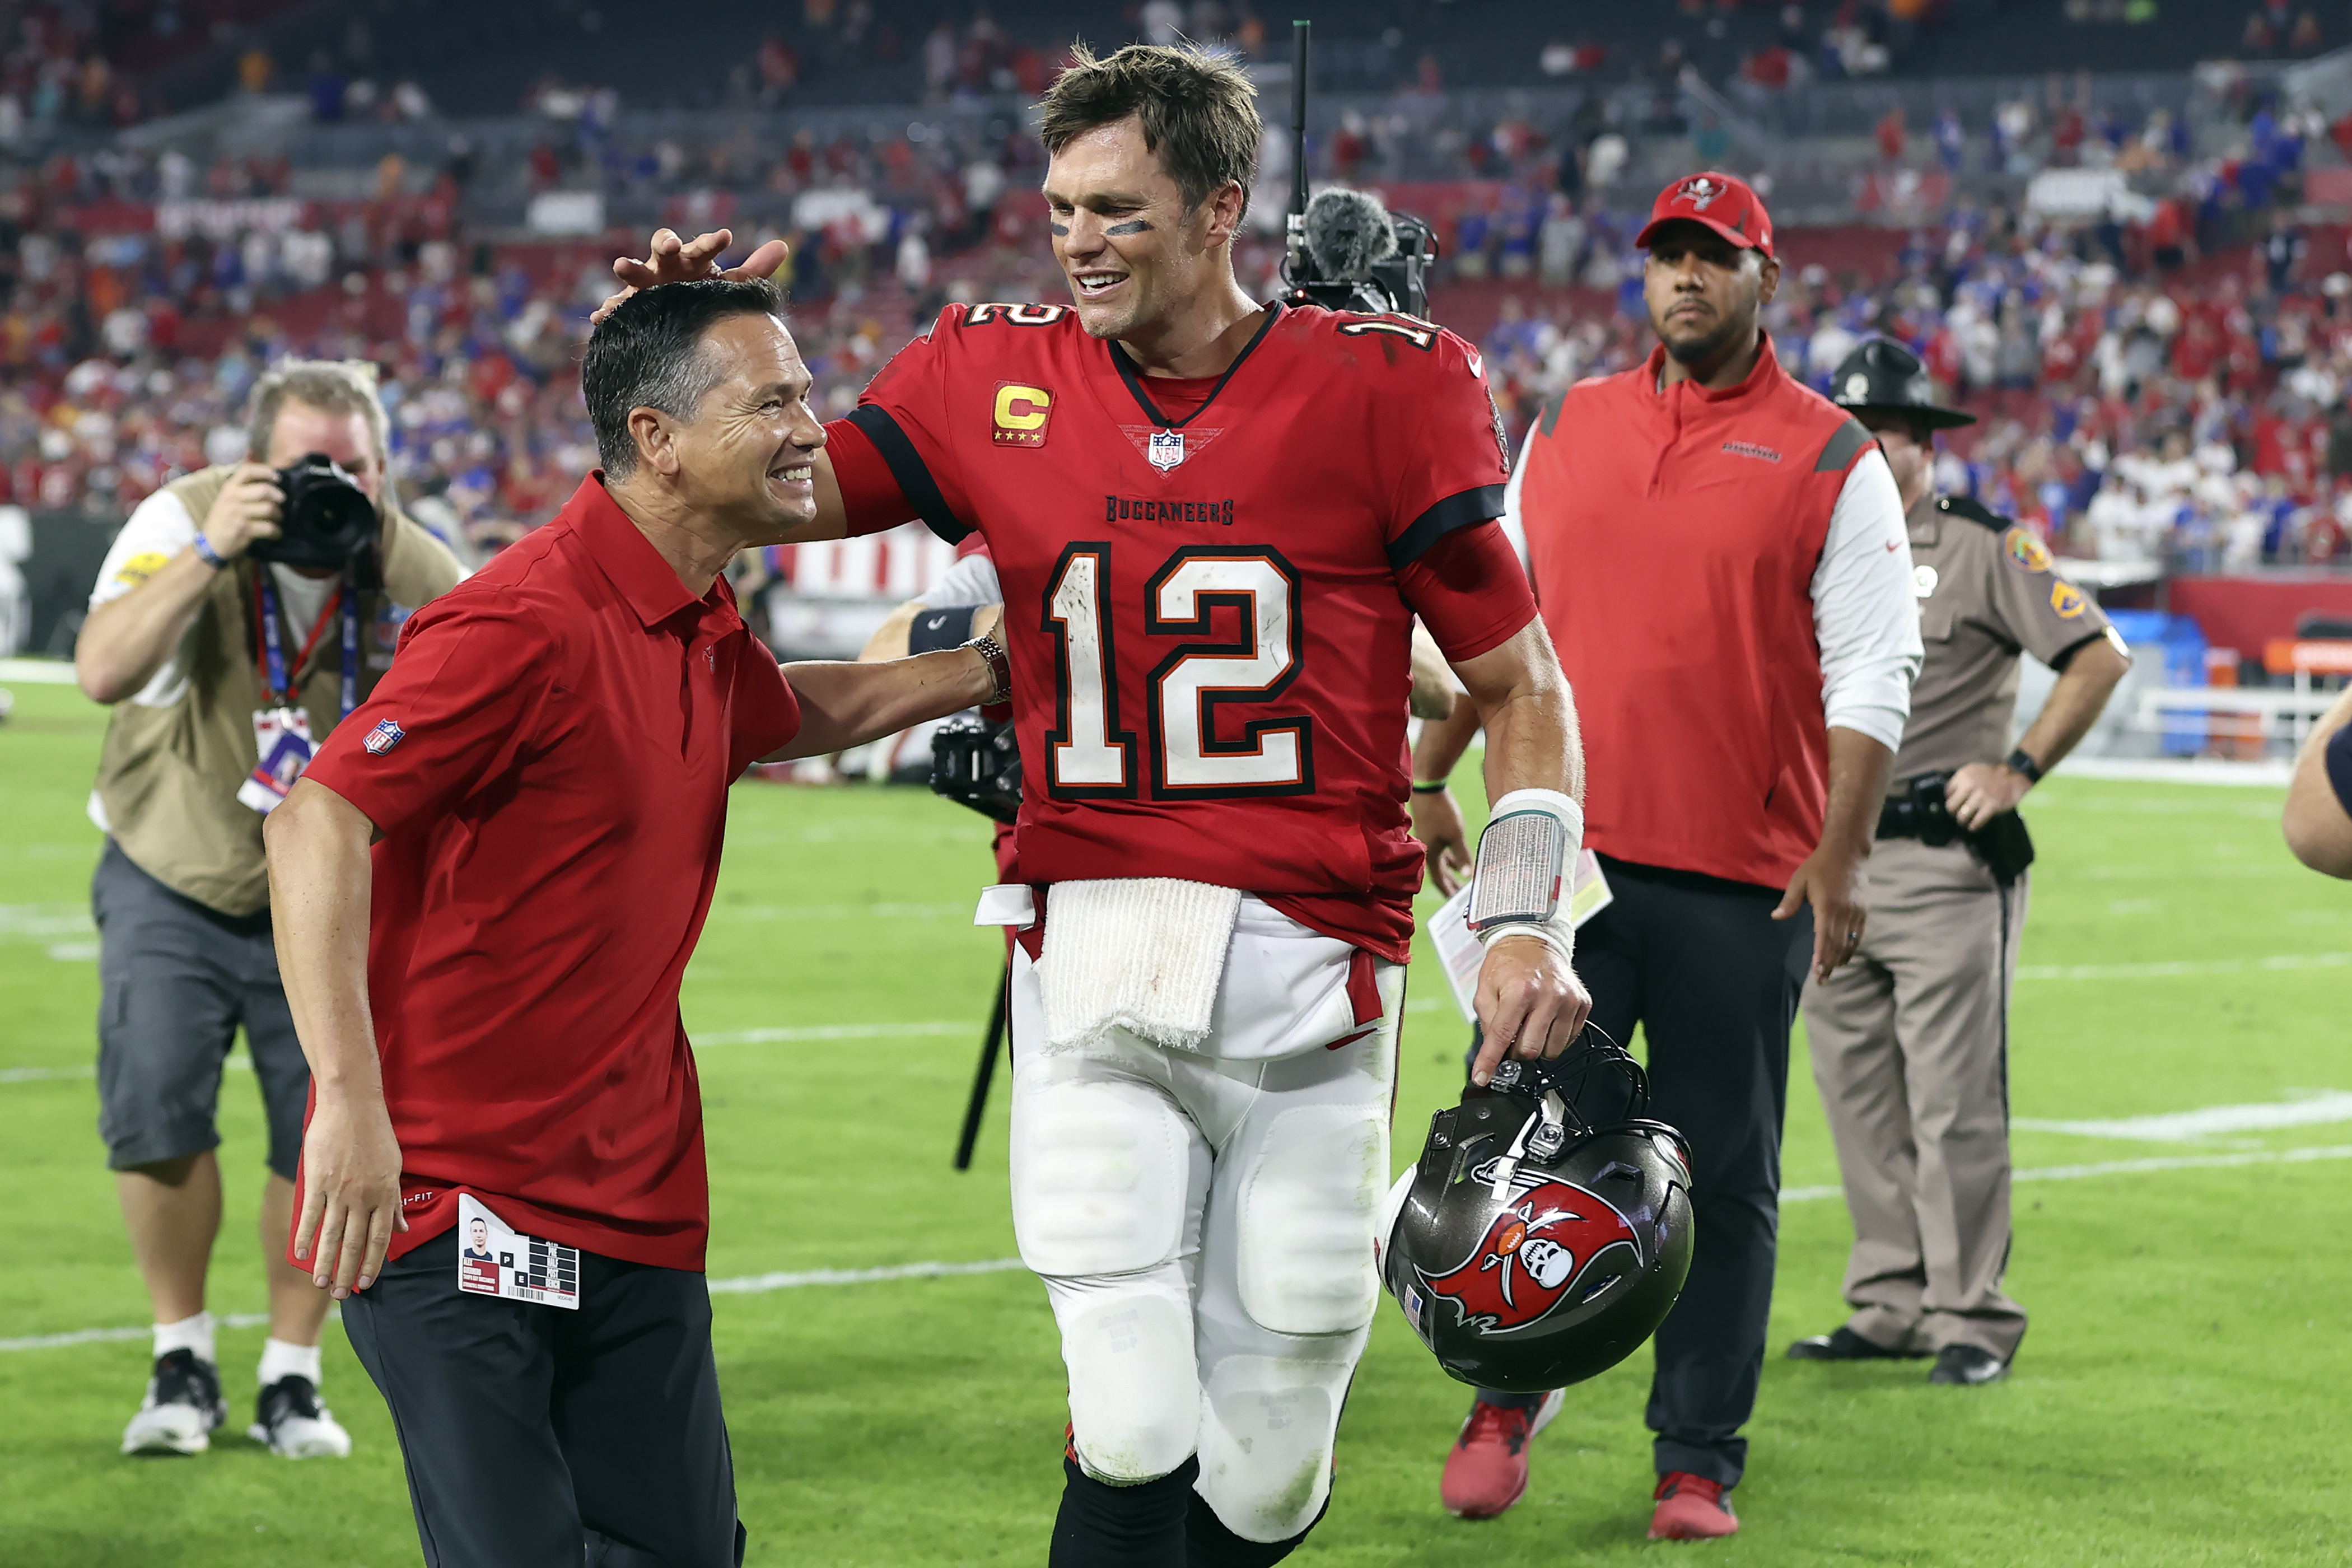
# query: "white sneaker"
183,1406
295,1426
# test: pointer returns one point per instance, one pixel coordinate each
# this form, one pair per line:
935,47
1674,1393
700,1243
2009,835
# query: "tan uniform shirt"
1987,592
169,770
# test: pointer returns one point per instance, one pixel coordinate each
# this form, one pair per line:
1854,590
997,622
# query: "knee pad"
1308,1203
1134,1390
1101,1170
1266,1428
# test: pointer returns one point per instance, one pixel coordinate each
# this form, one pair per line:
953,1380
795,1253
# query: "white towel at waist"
1141,953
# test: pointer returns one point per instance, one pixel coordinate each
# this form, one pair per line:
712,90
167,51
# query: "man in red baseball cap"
1742,708
1728,207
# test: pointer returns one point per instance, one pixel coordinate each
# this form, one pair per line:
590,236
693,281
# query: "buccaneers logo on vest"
1555,1243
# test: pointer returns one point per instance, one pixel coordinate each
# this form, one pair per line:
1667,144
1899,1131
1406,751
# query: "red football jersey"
1210,597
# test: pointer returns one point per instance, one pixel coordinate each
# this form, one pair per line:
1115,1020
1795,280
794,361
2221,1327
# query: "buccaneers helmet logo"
1536,1253
1699,191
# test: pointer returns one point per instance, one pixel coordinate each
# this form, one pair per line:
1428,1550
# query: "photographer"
228,647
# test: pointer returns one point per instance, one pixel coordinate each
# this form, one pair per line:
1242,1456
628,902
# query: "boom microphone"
1345,232
1345,250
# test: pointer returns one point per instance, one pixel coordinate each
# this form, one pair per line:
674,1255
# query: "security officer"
1910,1042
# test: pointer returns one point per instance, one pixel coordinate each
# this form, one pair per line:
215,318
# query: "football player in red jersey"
1215,521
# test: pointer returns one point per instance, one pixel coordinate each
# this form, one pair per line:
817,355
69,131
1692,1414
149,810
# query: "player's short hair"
1199,111
331,386
648,354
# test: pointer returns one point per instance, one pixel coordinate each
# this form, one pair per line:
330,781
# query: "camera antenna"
1295,228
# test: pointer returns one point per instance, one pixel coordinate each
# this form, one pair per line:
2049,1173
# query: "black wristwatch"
2021,761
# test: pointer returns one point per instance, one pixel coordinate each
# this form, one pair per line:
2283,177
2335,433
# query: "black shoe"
1845,1344
183,1404
1966,1366
294,1425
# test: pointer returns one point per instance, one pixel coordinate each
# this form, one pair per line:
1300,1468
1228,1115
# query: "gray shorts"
176,979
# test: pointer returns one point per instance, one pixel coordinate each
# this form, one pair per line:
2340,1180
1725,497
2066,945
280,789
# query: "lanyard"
276,686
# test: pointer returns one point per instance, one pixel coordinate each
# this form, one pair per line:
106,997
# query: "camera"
327,521
977,763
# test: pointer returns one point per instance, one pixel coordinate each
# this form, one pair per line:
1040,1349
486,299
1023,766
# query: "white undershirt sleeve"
1865,607
970,582
1514,529
158,529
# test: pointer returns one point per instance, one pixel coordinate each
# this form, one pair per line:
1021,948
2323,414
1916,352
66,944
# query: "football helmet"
1529,1248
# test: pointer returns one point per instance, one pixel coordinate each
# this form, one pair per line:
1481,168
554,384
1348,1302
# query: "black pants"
535,1435
1713,980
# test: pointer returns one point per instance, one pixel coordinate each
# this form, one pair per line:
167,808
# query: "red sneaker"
1690,1508
1487,1471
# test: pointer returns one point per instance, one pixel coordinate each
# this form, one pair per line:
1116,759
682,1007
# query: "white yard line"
760,1284
2178,770
2130,1167
38,672
2275,963
2188,1126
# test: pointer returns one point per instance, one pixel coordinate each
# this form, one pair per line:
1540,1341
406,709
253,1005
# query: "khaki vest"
168,776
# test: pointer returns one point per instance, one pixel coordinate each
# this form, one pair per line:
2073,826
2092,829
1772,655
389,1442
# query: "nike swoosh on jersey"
1477,363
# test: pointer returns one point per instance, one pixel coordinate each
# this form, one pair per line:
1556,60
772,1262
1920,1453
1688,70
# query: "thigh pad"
1309,1198
1101,1168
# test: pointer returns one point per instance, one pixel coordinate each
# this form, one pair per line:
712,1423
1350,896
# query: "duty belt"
1917,810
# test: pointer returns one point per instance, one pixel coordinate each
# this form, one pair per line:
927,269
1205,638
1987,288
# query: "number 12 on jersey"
1089,757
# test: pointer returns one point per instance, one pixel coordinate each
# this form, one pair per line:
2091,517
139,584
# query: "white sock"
188,1334
279,1360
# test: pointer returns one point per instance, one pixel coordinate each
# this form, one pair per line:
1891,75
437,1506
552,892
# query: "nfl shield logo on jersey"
385,737
1166,449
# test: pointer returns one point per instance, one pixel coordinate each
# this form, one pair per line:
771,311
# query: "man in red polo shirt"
1721,558
496,1043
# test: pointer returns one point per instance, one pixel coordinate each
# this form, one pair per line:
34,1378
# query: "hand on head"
670,259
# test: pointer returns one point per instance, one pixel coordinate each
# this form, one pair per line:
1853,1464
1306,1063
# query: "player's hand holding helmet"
1529,1247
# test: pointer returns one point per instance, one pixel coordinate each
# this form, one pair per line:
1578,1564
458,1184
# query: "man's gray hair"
329,385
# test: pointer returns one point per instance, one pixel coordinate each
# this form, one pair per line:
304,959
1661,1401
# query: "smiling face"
1704,292
1136,259
745,460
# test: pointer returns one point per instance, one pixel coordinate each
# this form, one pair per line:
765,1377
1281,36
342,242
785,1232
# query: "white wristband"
1558,932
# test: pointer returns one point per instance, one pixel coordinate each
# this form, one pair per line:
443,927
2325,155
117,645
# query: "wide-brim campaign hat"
1715,200
1884,376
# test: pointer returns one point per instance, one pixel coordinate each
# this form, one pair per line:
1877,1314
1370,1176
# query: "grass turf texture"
2179,1400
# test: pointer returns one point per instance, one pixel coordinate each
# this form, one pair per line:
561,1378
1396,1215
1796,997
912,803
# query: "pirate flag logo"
1553,1243
1700,192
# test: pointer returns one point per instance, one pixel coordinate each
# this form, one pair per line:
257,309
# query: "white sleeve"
159,528
1514,529
970,581
1866,609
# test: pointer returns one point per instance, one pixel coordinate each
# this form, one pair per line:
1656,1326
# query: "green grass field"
2179,1399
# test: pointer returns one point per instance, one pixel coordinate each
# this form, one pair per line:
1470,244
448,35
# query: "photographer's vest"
168,777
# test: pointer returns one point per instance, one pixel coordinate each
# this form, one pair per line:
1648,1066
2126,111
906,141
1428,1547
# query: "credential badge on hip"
493,1259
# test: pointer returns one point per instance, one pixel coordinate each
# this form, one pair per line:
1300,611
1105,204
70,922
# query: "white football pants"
1204,1223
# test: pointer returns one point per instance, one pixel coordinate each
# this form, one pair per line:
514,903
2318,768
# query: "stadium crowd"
2165,381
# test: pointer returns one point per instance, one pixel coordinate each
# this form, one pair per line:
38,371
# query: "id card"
494,1261
1458,950
281,739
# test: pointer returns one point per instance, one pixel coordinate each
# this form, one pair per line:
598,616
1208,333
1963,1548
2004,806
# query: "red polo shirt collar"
1763,373
630,563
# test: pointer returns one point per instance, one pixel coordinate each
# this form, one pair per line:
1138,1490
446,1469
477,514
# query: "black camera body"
327,521
977,763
